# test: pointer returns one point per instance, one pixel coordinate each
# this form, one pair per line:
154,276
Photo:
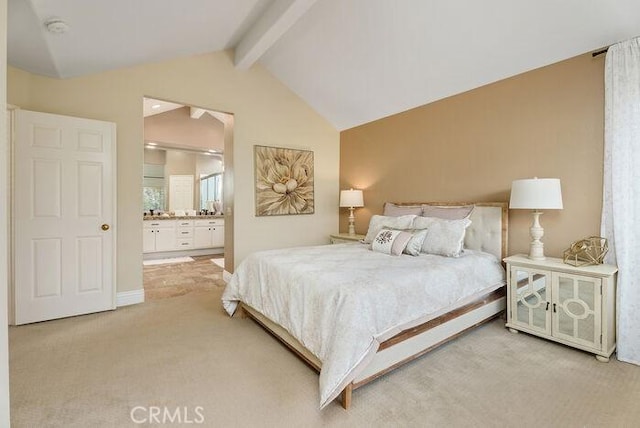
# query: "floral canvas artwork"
284,181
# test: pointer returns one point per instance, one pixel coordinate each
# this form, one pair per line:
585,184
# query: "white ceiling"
353,61
151,106
110,34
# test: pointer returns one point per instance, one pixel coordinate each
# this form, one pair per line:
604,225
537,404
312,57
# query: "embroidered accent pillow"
445,237
391,242
379,222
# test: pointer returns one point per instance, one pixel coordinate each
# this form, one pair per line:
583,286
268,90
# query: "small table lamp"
351,199
536,194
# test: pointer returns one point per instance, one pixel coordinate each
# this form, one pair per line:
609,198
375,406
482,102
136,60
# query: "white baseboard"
126,298
226,276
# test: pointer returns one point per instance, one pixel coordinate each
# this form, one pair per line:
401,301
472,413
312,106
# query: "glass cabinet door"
576,309
530,299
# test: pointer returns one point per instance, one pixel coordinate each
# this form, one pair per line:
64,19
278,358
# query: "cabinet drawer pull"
554,308
547,308
185,233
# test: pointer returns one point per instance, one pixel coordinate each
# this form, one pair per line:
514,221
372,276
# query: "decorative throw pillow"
379,222
393,210
414,246
445,237
447,213
390,241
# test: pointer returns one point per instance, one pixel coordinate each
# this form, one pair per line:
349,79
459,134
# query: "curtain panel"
621,195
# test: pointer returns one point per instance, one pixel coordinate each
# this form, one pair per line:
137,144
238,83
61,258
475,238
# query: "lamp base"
352,222
536,248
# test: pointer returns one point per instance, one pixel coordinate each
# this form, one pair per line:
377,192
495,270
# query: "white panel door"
180,192
64,208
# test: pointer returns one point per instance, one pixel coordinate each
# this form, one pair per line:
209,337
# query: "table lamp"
536,194
351,199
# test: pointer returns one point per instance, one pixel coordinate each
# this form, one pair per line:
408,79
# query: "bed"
354,315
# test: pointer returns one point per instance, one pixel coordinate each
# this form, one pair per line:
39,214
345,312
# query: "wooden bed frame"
414,342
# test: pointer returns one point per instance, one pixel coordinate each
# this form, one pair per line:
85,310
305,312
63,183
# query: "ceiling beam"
276,21
222,117
196,113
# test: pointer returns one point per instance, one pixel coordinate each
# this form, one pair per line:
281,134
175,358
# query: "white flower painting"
284,181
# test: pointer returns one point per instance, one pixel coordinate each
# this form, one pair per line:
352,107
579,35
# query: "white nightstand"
571,305
341,238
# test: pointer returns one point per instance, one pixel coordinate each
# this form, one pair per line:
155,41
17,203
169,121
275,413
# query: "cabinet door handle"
554,308
547,307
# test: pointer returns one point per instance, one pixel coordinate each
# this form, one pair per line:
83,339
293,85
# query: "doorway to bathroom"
187,198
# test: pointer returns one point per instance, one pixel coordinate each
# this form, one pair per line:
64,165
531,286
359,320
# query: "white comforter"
341,301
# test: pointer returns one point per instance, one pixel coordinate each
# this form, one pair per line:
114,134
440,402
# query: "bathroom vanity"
203,234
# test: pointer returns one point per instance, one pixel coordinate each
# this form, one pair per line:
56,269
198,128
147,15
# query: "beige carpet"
184,352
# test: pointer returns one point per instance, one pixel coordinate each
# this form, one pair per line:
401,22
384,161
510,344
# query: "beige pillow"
447,213
379,222
393,210
391,242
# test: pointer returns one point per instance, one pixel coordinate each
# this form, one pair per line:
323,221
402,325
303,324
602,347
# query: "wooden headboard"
489,229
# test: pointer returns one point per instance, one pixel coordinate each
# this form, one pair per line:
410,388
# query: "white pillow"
391,242
414,246
420,223
445,237
379,222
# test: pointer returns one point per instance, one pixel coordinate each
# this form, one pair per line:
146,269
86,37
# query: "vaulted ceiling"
353,61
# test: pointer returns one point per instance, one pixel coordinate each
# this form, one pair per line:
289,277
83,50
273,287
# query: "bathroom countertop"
181,217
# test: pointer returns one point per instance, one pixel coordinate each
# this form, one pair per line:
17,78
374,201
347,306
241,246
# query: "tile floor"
177,279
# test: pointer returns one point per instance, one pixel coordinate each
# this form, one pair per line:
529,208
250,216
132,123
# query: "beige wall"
265,112
155,156
177,127
4,229
545,123
228,189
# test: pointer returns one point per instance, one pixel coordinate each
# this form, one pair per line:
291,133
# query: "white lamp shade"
536,194
351,198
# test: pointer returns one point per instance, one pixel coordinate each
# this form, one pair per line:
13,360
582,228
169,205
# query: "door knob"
105,227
